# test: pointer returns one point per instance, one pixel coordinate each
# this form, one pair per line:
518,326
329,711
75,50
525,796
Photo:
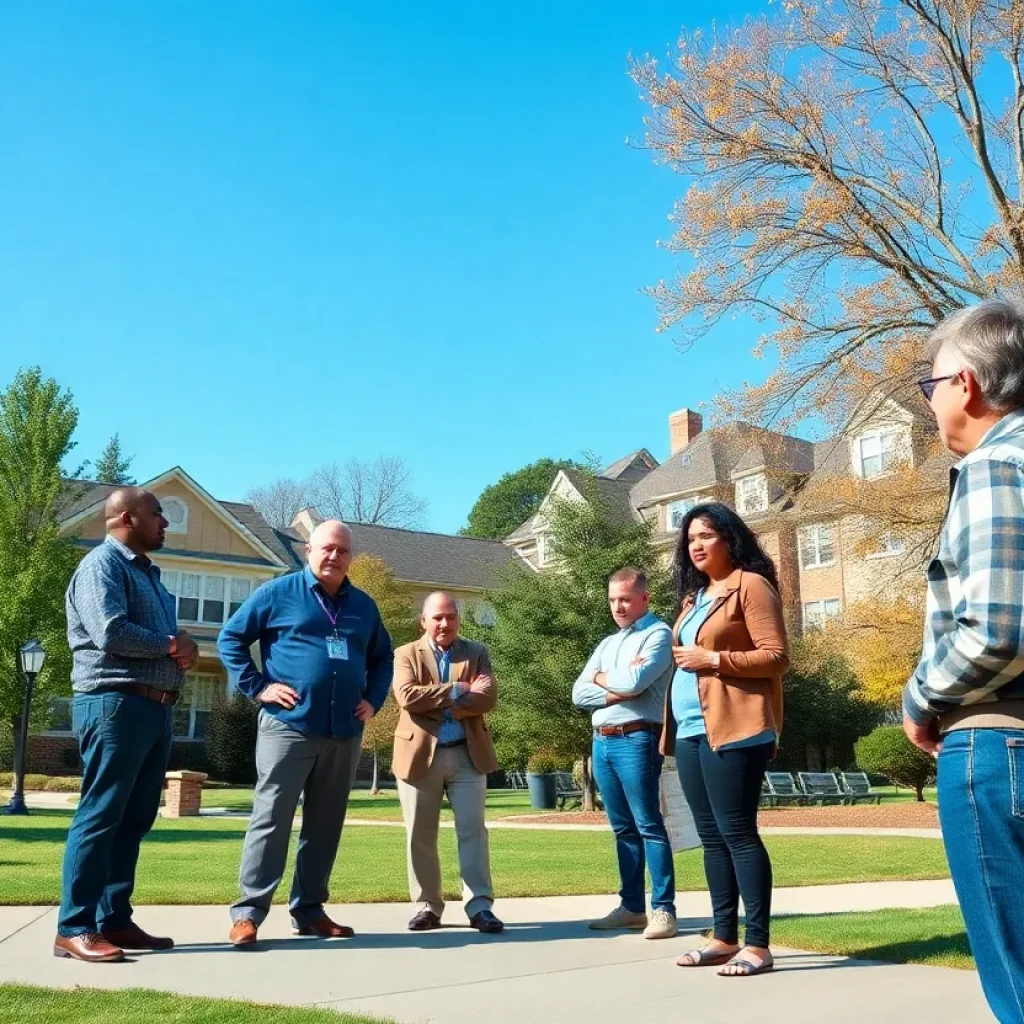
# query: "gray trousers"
290,764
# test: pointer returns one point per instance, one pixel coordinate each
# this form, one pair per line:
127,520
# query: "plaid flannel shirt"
974,627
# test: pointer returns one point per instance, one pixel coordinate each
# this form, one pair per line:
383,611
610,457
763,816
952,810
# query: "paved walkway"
546,968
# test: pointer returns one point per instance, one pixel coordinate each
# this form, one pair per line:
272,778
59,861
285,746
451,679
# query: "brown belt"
626,728
152,693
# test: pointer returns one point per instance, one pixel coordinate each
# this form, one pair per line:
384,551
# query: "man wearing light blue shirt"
624,684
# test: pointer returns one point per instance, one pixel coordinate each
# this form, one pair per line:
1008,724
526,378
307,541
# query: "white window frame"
816,531
67,702
189,703
544,553
681,505
894,436
817,614
743,498
174,585
173,527
889,546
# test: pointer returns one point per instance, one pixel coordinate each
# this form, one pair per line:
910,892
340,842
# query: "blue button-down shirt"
288,620
450,731
120,622
648,638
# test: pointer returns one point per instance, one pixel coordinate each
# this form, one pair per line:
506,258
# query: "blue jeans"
125,742
627,770
981,810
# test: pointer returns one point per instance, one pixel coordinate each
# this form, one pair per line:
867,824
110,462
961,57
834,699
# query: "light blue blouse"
685,696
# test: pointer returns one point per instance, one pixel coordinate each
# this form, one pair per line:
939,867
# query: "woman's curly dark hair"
745,551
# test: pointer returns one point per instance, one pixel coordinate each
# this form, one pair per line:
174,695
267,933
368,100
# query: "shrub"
888,752
231,739
6,748
63,784
188,756
543,762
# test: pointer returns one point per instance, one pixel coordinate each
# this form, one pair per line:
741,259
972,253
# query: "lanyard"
333,618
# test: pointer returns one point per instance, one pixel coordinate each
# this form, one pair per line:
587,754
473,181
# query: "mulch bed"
892,815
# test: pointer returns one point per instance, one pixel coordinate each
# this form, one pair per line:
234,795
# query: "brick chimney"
683,427
305,522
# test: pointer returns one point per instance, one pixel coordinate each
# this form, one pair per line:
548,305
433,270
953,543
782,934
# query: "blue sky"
254,237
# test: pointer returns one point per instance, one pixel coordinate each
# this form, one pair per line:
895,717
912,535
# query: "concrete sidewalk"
547,967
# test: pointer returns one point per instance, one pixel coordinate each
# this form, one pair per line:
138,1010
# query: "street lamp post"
30,660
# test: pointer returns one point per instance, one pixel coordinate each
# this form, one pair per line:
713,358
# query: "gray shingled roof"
78,495
419,557
714,456
262,530
632,467
615,493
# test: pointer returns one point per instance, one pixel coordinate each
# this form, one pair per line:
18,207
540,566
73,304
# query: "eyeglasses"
929,385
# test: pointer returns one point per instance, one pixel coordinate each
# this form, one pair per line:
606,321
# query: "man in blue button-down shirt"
624,684
327,666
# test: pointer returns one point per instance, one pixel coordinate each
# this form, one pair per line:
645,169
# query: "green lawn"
196,861
501,803
935,936
28,1005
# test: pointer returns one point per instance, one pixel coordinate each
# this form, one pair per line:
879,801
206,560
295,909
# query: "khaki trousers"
451,772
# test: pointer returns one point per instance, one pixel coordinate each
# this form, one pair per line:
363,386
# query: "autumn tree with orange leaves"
854,172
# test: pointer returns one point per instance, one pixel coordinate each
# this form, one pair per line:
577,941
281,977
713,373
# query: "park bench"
822,788
565,790
858,787
783,789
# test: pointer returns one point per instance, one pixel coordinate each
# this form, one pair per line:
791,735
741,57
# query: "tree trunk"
375,781
919,787
589,789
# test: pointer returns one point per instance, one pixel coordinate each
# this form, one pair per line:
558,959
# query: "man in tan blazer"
444,687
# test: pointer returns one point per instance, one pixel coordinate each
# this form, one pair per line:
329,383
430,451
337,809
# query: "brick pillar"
184,794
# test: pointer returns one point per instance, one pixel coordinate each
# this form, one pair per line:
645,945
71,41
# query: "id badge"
337,648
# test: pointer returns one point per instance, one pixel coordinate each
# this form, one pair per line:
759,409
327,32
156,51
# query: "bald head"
440,618
329,553
135,518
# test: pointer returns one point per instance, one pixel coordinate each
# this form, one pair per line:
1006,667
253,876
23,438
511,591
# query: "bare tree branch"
375,491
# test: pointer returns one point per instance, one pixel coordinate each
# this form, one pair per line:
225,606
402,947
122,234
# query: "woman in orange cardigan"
723,716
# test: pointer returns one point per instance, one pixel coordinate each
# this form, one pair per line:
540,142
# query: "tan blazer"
744,697
423,699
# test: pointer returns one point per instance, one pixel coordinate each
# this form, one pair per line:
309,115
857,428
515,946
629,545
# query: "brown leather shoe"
133,937
425,921
89,947
243,932
323,927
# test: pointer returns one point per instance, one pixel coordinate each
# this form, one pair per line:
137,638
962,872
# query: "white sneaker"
662,926
620,917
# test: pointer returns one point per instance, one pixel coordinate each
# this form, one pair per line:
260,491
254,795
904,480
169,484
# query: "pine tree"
113,465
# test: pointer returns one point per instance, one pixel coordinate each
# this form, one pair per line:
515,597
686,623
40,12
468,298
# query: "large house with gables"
216,553
827,558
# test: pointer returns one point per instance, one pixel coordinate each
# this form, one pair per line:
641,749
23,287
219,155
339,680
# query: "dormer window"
877,453
176,513
676,511
545,550
752,494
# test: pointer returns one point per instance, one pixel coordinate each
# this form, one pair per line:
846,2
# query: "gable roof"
416,556
631,467
716,456
83,505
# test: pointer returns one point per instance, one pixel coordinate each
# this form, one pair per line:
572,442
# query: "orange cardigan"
744,696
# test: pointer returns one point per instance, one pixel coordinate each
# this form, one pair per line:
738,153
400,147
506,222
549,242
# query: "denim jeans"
981,810
627,770
723,789
125,742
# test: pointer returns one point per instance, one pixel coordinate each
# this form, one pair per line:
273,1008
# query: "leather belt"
626,728
454,743
152,693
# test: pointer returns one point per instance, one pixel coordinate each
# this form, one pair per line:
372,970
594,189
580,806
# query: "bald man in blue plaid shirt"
965,701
